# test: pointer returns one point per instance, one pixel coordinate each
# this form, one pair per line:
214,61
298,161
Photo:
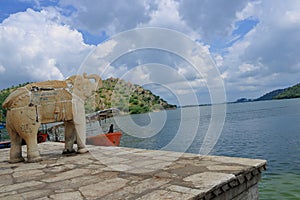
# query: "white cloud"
106,15
43,44
166,15
35,46
247,68
2,69
116,16
248,11
211,19
218,59
268,56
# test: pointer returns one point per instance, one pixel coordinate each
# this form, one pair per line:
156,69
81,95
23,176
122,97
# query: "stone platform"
124,173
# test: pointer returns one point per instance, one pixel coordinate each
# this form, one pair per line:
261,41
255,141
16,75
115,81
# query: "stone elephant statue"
45,102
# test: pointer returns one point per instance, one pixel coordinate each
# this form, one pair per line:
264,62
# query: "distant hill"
286,93
127,97
270,95
243,100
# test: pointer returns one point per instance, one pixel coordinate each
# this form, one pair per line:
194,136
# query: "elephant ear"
76,84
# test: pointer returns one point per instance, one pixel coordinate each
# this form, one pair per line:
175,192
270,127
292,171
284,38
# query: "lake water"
266,130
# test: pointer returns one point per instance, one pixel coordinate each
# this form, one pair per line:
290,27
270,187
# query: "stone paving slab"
126,173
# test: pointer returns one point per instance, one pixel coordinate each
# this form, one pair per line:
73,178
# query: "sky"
253,44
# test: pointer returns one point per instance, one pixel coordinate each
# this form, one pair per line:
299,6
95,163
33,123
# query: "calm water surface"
267,130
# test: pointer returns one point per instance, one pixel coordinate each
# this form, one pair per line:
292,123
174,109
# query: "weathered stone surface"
233,183
129,174
66,175
67,196
137,188
147,185
63,190
224,168
6,171
6,194
240,161
59,168
8,188
241,179
23,175
43,198
31,194
80,181
181,189
186,170
100,189
6,180
225,187
208,180
163,194
240,193
118,167
29,166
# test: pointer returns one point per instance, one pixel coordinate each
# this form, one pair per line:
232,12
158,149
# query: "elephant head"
83,86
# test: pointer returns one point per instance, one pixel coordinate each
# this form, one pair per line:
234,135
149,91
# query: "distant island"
129,98
286,93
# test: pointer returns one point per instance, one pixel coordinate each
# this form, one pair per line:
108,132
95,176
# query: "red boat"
108,139
41,137
111,138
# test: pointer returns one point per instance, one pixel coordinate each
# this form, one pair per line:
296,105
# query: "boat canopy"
103,114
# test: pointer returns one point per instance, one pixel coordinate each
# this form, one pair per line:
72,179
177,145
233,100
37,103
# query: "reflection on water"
266,130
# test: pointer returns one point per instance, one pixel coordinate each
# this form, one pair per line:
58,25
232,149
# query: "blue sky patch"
244,26
13,6
93,39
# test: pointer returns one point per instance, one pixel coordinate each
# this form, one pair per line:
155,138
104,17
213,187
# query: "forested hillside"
286,93
128,97
270,95
291,92
3,94
117,93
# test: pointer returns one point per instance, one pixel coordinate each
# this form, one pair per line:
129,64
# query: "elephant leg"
81,138
16,148
80,123
33,153
70,137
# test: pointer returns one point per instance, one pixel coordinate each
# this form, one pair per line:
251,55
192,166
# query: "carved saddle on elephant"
44,102
51,99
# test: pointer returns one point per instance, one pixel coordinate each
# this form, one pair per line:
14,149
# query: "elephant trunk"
97,79
74,78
